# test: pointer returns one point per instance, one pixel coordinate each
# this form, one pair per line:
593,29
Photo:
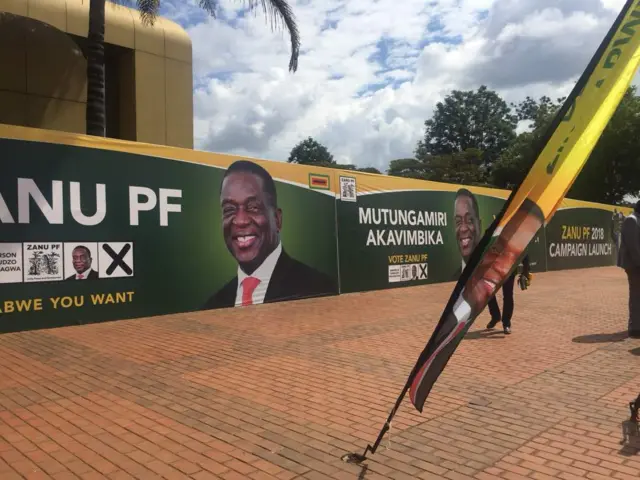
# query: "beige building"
149,84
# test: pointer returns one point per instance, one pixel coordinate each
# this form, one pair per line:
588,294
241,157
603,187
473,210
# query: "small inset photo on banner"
81,261
11,263
395,273
407,273
42,262
348,189
115,259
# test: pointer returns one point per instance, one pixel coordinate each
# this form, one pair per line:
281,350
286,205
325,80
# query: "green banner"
582,238
405,238
90,235
93,234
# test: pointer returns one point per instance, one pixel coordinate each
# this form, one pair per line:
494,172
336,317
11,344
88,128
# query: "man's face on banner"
81,260
251,223
498,261
467,226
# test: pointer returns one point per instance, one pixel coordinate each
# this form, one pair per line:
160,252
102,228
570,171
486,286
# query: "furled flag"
569,142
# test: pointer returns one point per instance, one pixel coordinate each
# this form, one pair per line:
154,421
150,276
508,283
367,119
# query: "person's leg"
507,309
634,302
494,310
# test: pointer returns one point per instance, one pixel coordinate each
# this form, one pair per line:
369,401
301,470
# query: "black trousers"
634,301
507,307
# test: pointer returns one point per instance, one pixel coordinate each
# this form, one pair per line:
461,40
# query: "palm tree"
279,12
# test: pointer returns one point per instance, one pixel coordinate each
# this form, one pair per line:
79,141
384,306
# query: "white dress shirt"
262,273
84,274
462,309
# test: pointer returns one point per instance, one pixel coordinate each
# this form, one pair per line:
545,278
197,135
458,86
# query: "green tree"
407,167
540,112
348,166
460,167
516,160
514,163
613,168
311,152
278,11
369,170
342,166
479,120
464,167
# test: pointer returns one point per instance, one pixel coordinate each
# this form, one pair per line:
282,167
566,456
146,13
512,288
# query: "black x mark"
423,270
118,259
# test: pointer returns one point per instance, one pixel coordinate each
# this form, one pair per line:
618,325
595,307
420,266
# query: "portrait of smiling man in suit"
467,224
251,226
82,261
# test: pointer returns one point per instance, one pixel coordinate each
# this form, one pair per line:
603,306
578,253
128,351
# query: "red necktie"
80,276
249,284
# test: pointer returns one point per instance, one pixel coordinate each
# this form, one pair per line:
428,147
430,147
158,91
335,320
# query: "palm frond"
148,10
278,12
210,6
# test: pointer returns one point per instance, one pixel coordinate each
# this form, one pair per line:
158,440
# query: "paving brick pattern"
282,391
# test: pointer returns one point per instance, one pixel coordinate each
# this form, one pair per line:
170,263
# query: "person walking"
629,261
507,299
615,229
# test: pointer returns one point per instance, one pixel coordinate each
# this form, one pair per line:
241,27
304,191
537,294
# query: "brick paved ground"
282,391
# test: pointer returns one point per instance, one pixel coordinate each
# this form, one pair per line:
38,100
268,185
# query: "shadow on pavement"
601,337
480,334
630,439
635,351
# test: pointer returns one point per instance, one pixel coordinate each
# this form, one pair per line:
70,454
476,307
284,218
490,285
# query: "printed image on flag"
495,266
569,142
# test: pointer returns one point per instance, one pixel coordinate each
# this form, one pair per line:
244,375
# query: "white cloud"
371,71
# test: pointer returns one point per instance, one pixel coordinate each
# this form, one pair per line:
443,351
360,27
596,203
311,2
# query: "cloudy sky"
371,71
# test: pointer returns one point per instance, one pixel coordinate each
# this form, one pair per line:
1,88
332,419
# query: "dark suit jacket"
629,253
93,275
290,280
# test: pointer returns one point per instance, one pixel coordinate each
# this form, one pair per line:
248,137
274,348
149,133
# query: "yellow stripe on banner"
367,183
370,183
298,174
571,203
577,134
